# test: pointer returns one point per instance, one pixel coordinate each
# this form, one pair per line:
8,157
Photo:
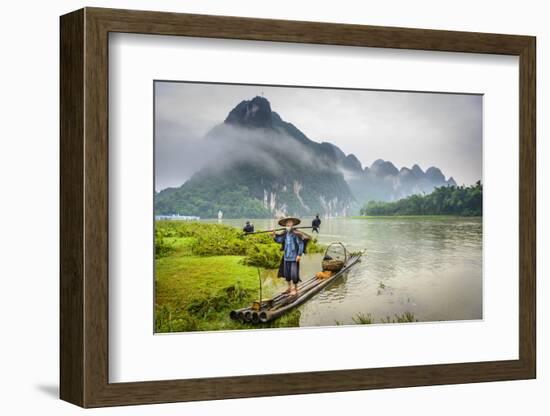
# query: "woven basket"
332,265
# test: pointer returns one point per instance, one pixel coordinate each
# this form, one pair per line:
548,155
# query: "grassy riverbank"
203,271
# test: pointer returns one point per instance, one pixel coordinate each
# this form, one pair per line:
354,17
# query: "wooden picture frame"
84,207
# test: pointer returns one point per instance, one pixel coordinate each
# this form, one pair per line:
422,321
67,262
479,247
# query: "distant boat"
177,217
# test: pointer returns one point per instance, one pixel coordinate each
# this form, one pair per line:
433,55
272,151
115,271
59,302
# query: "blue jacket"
293,245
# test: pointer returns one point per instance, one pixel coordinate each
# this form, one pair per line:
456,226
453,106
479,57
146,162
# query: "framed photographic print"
255,207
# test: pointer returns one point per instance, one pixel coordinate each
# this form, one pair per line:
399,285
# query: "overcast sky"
443,130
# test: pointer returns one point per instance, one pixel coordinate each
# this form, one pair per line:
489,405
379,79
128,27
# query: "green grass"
197,293
203,271
181,278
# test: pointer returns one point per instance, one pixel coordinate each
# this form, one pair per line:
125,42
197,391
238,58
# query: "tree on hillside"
444,200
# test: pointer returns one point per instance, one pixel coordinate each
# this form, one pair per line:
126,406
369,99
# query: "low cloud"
443,130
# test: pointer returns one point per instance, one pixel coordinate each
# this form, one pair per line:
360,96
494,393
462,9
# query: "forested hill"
445,200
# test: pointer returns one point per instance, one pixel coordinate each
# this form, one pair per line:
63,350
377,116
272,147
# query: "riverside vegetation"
444,200
202,271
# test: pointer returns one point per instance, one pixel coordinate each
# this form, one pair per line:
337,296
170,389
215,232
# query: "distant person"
248,228
316,224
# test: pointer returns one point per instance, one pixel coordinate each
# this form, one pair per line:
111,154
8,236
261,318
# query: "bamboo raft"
270,309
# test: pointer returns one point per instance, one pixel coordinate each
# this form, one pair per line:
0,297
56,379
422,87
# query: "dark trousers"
290,270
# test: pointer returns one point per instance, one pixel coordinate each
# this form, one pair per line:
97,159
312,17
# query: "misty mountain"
263,166
382,181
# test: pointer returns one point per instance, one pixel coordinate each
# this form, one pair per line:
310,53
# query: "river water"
431,267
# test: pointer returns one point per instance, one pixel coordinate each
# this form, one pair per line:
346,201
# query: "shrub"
230,297
221,240
315,247
363,319
168,319
403,318
267,256
162,246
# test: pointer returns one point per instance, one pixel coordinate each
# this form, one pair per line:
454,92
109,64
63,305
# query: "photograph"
282,206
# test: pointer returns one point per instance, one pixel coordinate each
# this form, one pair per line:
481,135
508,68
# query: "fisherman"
293,247
248,228
316,223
